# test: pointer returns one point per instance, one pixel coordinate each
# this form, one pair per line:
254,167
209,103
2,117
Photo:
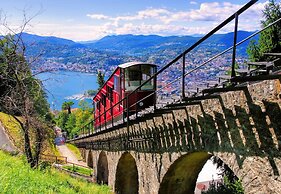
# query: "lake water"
62,86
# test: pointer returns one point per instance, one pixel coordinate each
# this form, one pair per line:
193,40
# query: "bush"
225,187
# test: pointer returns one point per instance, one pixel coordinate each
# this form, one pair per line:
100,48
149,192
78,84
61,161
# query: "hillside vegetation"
14,131
17,177
72,120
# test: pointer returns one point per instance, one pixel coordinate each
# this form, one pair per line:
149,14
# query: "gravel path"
5,143
63,149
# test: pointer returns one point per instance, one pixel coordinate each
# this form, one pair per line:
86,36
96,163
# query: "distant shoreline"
67,85
78,97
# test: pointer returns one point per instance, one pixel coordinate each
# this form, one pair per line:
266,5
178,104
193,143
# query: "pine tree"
100,79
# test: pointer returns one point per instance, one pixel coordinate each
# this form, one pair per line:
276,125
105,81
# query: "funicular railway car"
125,79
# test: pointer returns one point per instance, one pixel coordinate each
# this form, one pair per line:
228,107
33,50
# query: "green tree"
100,79
83,117
21,94
270,39
61,119
67,106
70,124
90,92
84,105
225,187
230,185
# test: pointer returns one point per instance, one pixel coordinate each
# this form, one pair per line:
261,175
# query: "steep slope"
17,177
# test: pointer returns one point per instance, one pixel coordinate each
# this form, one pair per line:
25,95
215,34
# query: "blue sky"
82,20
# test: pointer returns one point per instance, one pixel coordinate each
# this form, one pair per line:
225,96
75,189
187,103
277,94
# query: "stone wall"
241,127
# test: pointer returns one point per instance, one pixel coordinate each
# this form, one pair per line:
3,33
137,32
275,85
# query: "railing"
88,129
63,160
74,168
54,159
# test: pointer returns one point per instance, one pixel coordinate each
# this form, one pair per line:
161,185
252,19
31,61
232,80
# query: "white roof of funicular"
129,64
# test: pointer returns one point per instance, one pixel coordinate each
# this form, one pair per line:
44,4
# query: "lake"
62,86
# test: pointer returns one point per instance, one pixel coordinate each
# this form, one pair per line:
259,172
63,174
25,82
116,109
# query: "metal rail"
53,158
212,58
184,74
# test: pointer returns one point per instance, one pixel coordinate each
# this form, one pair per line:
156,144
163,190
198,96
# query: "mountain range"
116,49
132,44
137,44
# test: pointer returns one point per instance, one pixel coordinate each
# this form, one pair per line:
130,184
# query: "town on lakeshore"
149,97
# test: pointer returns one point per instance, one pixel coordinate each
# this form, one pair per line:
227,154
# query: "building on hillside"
204,186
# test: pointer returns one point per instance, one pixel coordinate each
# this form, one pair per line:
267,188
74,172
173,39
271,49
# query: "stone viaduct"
165,151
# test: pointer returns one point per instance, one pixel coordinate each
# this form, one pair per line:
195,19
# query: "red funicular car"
125,79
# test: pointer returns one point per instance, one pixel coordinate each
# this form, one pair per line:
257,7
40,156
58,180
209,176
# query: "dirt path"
5,143
63,149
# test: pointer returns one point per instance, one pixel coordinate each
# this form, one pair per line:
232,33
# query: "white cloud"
98,16
91,32
193,3
157,21
140,15
72,32
153,13
213,11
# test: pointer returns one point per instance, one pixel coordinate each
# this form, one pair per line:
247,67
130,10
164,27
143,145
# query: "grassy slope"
74,150
13,129
81,170
15,133
17,177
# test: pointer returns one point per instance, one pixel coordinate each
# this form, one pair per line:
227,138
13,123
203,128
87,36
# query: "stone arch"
127,175
90,159
182,175
102,170
83,153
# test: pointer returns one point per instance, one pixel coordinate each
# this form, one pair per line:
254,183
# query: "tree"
230,185
22,96
225,187
90,92
270,39
84,105
100,79
70,124
67,106
61,119
83,117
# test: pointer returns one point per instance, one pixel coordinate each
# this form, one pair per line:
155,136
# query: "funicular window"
147,71
117,88
135,75
132,77
109,93
98,105
116,84
103,100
